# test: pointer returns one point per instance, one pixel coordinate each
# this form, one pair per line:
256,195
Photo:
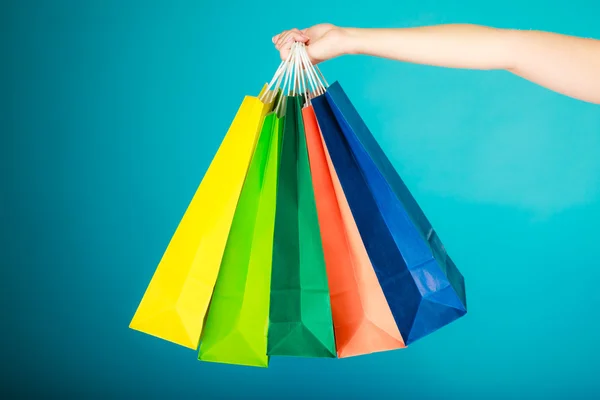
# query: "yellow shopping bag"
175,303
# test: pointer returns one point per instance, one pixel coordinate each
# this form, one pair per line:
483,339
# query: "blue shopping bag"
423,287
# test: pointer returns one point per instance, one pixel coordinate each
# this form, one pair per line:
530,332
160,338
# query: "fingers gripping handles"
295,76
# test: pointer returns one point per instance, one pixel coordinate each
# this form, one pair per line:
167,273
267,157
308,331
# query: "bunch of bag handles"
299,77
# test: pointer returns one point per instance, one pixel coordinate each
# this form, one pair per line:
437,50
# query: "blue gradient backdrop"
112,110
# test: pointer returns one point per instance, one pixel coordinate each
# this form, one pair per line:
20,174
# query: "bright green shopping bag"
300,312
237,322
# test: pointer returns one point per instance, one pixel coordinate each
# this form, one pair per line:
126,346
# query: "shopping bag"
423,287
362,319
236,326
300,320
175,302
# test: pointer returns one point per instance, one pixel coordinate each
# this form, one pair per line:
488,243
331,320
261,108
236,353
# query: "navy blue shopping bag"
423,287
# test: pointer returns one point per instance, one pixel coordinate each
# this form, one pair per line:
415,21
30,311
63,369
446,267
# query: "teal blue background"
111,111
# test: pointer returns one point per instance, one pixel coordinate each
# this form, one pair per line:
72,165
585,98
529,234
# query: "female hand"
323,42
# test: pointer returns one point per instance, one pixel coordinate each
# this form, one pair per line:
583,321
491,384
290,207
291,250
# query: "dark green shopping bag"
300,320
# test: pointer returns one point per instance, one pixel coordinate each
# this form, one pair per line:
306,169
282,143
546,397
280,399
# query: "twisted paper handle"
298,76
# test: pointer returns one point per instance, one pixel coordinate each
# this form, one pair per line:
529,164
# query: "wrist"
351,43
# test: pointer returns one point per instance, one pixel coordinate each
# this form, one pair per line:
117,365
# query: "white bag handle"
296,75
287,77
297,67
317,86
276,79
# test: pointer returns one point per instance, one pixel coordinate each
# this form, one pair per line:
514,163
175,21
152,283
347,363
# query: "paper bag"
237,322
423,287
300,311
176,300
362,319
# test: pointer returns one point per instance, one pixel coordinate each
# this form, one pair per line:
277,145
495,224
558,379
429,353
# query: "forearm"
453,46
566,64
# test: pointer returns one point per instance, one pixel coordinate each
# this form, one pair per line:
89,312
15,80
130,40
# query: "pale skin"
568,65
